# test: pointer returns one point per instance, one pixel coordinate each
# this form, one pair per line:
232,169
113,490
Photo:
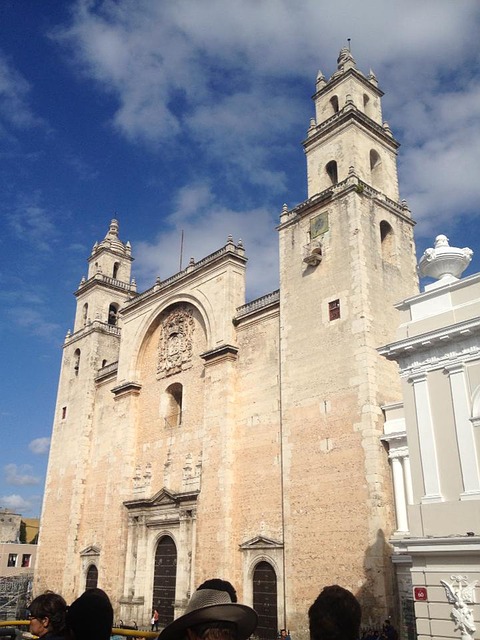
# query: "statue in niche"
175,344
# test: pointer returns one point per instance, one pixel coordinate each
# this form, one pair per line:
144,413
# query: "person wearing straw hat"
211,615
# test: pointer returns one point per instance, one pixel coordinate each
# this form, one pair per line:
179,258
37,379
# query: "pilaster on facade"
467,450
426,436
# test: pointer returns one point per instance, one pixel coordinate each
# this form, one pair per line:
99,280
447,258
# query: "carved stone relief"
175,345
461,593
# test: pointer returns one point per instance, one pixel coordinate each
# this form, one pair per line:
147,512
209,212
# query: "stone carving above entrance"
175,345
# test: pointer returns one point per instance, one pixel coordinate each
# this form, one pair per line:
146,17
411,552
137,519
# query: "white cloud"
440,167
216,77
206,224
16,502
20,475
35,321
14,97
39,445
32,223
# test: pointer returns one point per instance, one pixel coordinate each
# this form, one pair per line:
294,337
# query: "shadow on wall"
379,579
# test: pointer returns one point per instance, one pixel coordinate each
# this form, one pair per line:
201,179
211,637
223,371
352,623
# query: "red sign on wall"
420,593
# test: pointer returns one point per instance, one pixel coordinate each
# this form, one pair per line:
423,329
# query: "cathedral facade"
199,436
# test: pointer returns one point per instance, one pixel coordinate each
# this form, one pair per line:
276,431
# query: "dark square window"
12,560
334,310
26,559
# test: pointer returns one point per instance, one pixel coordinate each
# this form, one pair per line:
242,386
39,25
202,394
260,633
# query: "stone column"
399,492
426,436
464,430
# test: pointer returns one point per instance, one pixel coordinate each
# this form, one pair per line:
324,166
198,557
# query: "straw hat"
211,605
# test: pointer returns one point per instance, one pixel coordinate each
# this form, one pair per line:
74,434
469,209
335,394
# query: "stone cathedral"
199,436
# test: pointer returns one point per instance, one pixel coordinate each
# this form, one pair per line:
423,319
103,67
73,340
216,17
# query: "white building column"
426,436
408,479
399,491
464,430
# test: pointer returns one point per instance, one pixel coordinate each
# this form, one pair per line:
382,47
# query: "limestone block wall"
9,526
337,481
257,453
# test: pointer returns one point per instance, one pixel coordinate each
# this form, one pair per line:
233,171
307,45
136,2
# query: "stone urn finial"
444,263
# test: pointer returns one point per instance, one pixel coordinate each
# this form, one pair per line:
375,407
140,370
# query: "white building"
437,476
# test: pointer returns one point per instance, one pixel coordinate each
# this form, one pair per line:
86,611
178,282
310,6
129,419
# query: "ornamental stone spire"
112,241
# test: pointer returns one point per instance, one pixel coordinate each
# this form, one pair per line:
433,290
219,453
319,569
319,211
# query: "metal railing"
129,633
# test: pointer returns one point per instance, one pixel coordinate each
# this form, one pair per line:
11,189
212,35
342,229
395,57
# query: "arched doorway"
164,580
92,577
265,600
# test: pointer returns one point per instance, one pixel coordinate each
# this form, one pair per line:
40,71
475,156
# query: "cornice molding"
224,352
425,341
126,388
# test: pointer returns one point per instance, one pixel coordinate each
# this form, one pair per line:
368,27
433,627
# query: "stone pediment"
163,498
92,550
261,542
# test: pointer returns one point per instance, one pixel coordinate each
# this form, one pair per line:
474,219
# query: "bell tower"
348,131
346,255
88,355
108,285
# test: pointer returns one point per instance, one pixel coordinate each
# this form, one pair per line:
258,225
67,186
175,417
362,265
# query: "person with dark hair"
335,615
389,631
211,614
47,616
154,620
90,617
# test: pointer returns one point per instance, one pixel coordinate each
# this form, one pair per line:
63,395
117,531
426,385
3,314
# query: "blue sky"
190,115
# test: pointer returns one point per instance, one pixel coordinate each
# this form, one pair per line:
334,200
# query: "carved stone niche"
175,345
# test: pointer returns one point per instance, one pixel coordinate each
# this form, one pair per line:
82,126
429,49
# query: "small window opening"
334,310
375,167
64,413
334,103
116,267
85,314
12,560
76,361
332,171
26,557
91,578
375,159
387,240
104,363
366,101
173,417
112,314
